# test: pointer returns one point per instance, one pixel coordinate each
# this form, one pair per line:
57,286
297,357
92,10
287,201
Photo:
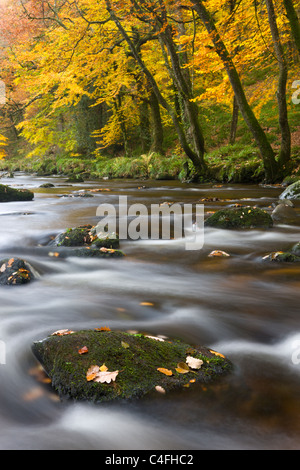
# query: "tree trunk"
294,21
156,125
193,155
234,121
266,151
285,150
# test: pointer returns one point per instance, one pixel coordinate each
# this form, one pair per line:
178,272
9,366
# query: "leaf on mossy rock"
193,362
165,371
182,368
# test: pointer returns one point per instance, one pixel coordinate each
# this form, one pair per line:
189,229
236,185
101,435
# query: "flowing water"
245,308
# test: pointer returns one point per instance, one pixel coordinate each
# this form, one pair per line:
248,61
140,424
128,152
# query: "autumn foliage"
86,76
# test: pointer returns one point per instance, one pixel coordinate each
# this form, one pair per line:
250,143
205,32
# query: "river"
240,306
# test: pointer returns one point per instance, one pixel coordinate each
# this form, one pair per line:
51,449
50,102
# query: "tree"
267,153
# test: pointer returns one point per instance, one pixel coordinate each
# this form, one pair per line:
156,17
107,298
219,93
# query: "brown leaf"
106,376
91,373
62,332
83,350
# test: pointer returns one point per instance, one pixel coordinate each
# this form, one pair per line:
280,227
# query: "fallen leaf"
10,262
182,368
160,389
147,304
103,328
106,376
218,253
62,332
216,353
103,368
193,362
91,373
3,268
165,371
124,345
54,254
83,350
154,337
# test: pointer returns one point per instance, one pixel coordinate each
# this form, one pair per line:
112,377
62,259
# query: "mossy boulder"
133,359
291,192
87,235
15,271
244,217
8,194
86,252
290,256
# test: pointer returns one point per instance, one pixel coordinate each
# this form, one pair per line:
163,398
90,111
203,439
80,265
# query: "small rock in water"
15,271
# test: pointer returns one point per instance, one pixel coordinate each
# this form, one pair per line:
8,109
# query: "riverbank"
228,164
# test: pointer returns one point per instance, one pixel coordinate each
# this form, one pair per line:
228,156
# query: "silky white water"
240,306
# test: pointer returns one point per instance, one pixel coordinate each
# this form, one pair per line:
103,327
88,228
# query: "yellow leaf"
165,371
124,345
216,353
103,368
182,368
147,304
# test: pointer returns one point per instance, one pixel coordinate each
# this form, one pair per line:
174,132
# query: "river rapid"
243,307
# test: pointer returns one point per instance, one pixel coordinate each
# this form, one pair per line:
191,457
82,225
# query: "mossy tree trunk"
294,21
285,150
194,154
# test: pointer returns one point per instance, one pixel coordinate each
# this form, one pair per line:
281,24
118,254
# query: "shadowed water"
243,307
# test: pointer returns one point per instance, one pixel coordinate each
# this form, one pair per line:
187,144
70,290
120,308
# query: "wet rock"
8,194
130,363
86,235
15,271
244,217
284,212
290,256
75,179
86,252
291,192
47,185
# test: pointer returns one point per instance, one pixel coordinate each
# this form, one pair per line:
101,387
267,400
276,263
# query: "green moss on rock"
86,235
15,271
136,357
291,192
8,194
244,217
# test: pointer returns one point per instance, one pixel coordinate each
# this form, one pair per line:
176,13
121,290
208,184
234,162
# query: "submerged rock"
291,192
8,194
244,217
102,365
15,271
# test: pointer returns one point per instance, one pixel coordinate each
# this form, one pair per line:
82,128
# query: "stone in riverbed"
86,235
290,256
291,192
134,360
15,271
8,194
244,217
